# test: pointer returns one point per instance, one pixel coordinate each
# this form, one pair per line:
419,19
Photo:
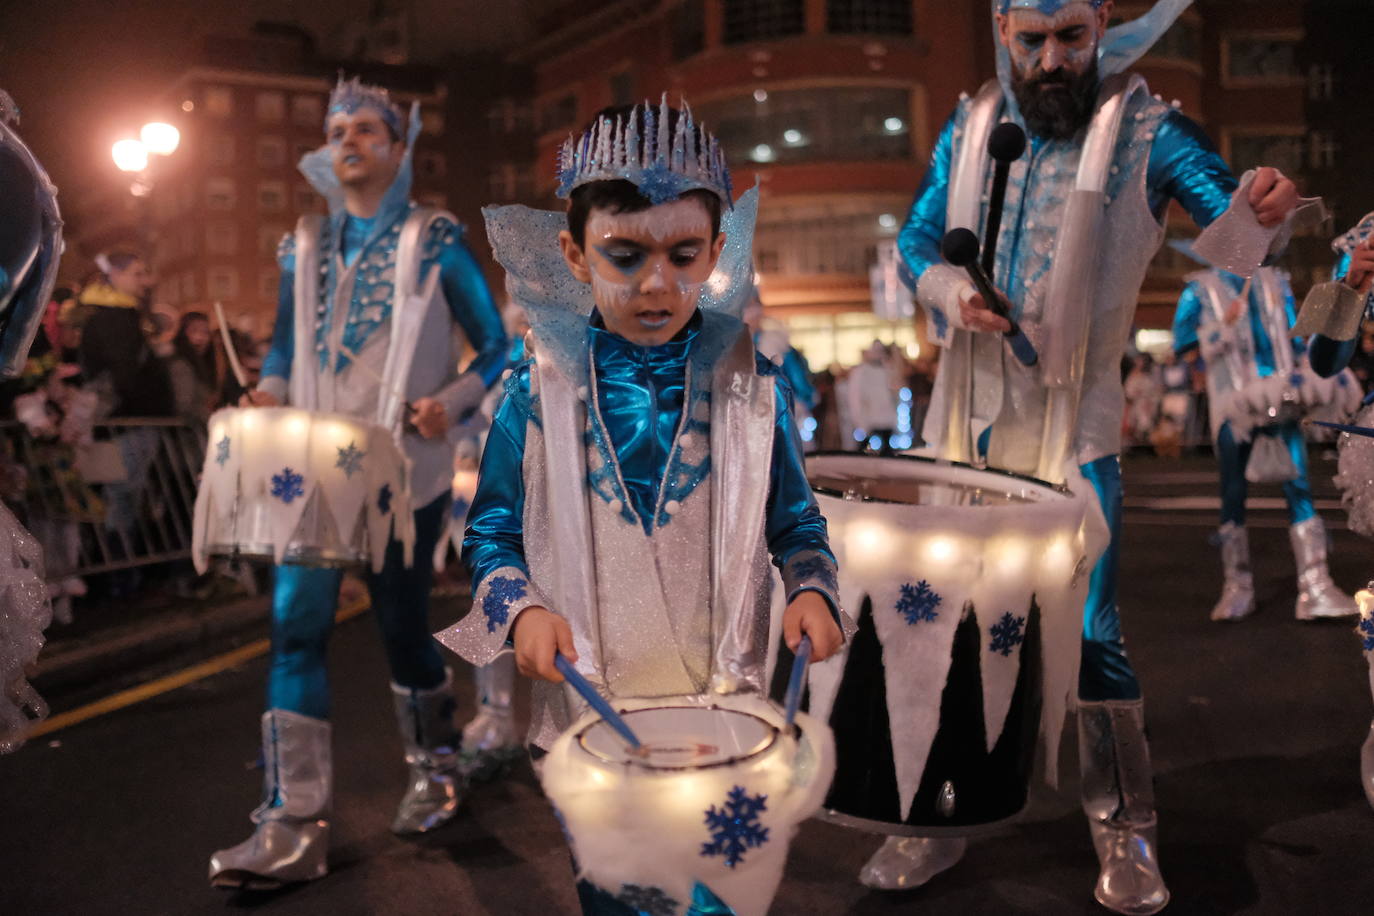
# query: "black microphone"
1006,144
960,248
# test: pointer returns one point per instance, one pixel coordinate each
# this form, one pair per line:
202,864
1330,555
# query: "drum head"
913,481
682,737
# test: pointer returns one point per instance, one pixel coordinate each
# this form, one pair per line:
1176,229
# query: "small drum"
969,586
286,485
703,815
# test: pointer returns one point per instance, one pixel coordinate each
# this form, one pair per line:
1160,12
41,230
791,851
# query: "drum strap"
304,389
414,296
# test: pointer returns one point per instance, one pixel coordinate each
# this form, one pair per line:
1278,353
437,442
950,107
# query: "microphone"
1006,144
960,248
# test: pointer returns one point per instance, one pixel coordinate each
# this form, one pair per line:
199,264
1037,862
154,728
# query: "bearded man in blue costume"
645,464
1084,216
371,301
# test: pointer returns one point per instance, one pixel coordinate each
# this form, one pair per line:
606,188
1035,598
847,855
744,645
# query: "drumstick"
375,375
596,701
792,700
229,351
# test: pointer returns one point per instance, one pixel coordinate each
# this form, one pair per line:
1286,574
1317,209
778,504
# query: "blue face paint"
626,260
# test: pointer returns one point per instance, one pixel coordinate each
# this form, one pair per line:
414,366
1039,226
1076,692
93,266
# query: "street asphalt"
1256,732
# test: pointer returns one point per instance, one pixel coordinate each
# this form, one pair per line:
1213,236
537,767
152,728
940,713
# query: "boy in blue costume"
386,284
645,464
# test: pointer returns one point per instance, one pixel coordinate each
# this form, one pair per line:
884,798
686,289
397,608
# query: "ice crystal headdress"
643,148
1048,7
350,96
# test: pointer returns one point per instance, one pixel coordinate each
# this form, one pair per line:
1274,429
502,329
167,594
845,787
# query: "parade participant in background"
1104,161
599,529
872,401
1257,372
378,274
773,341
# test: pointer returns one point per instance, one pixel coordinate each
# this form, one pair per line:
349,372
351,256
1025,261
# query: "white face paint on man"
1067,40
364,152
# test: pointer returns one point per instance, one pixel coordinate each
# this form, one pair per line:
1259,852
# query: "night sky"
82,71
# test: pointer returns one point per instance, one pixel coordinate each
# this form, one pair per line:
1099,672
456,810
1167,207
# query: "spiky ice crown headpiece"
642,148
349,96
1048,7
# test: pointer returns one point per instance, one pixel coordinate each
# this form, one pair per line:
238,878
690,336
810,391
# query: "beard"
1061,112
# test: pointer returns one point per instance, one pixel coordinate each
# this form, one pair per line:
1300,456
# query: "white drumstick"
375,376
234,364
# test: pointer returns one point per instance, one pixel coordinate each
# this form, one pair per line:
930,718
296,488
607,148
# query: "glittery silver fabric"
25,613
1318,595
905,862
432,745
1237,599
1355,476
1332,310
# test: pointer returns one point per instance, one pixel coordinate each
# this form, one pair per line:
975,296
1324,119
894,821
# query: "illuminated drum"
970,586
286,485
703,815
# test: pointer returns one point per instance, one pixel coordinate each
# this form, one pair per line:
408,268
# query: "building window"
269,237
1281,148
622,88
432,122
1183,42
270,107
221,238
843,337
836,236
219,101
220,194
267,285
221,150
301,150
558,114
305,199
271,196
307,111
850,123
760,20
1260,60
1321,82
687,28
507,116
871,17
271,152
431,165
1322,149
223,283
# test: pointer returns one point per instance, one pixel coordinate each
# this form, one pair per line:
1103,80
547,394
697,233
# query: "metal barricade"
125,500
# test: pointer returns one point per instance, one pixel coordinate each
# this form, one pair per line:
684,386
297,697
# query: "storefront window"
808,125
839,236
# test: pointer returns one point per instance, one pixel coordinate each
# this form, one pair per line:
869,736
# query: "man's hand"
539,633
258,398
1234,310
1360,276
1272,196
809,615
429,418
978,317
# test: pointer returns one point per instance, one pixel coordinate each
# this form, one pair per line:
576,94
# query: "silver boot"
431,745
1238,591
1119,799
1318,596
291,841
906,862
489,740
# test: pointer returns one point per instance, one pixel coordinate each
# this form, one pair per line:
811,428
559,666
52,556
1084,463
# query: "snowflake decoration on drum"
1366,633
287,485
918,603
735,827
816,567
384,499
350,460
222,451
647,901
1007,634
502,592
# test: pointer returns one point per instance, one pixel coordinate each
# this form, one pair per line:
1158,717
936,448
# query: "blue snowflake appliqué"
502,592
1366,631
287,485
1007,634
647,901
222,451
937,316
350,460
660,184
1295,379
384,499
918,603
735,827
816,567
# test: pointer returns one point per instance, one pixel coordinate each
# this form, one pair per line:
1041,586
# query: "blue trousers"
304,600
1105,672
1233,456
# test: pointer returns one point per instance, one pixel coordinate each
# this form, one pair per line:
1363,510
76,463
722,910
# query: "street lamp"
159,138
130,155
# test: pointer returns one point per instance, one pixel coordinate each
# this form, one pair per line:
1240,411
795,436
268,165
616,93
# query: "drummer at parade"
372,298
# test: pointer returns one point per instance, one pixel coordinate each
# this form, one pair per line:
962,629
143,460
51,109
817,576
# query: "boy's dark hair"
621,196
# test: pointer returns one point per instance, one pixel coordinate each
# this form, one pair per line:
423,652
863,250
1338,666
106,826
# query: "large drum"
286,485
969,586
703,815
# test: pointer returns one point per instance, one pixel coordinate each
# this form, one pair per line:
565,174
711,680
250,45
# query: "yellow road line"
171,682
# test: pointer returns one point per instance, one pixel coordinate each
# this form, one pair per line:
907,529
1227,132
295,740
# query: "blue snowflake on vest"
502,592
918,603
287,485
222,451
647,901
817,567
374,287
735,826
384,499
1366,631
1007,633
937,317
350,460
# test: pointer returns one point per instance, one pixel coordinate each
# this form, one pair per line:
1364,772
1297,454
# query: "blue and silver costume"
388,291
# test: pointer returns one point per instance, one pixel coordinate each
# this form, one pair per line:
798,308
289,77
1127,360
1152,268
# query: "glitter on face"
1045,51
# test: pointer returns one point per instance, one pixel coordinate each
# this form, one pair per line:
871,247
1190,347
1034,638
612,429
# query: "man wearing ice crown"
1084,214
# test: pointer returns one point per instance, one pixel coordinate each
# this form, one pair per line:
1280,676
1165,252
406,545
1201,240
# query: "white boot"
431,744
490,742
1318,596
1238,591
906,862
